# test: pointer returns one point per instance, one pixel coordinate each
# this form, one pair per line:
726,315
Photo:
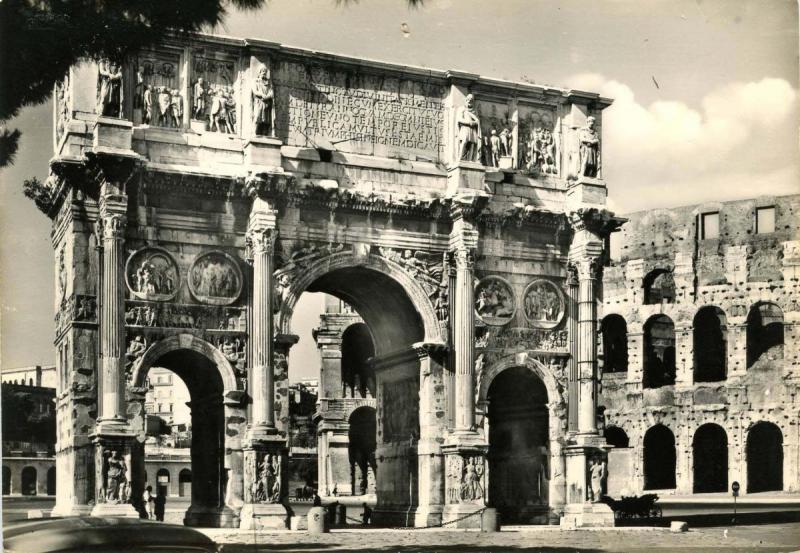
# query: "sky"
705,108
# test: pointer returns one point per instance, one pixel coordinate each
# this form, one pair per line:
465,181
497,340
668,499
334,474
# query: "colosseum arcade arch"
400,317
217,416
710,456
764,452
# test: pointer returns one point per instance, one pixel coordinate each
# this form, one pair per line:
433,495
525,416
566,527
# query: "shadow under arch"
334,274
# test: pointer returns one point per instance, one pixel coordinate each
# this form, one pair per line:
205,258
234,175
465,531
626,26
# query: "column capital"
586,268
266,185
467,206
600,222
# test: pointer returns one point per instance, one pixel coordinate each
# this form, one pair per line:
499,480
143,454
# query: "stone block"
466,176
113,135
585,193
587,515
262,151
678,526
264,516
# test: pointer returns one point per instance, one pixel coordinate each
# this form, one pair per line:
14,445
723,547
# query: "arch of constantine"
199,188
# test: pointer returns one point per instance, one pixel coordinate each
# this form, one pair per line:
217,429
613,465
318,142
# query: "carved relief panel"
214,95
215,278
157,98
359,112
497,134
400,410
543,304
495,302
465,479
152,274
539,148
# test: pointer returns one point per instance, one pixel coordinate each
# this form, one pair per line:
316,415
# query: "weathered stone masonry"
449,210
726,303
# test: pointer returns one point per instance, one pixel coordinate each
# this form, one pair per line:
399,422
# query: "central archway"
215,420
399,315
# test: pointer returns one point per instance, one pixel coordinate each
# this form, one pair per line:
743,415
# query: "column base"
211,517
264,516
74,510
459,512
428,515
124,510
587,515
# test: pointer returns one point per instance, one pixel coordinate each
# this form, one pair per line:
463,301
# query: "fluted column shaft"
261,234
464,340
573,389
112,324
587,346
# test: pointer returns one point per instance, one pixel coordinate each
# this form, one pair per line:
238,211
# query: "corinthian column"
587,345
464,340
112,324
261,233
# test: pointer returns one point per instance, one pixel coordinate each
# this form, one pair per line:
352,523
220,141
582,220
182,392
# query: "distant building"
699,334
36,375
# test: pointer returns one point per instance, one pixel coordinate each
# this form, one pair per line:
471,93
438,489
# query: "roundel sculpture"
495,303
215,278
152,274
543,304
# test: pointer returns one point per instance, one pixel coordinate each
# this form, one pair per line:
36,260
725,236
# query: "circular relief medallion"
543,304
494,301
215,278
152,274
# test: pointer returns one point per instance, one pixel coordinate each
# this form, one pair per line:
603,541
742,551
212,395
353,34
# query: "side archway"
524,408
188,342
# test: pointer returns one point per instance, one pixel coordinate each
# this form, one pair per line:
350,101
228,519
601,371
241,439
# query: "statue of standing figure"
597,472
469,131
199,108
263,97
589,149
109,98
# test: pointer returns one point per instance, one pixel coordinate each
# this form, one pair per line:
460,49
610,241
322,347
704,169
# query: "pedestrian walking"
160,504
149,502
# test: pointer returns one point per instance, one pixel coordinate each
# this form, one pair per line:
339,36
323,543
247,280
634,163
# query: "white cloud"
741,142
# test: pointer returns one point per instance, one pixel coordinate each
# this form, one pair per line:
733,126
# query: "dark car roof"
101,533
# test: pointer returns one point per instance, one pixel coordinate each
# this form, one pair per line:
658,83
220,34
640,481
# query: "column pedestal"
580,511
265,481
113,497
466,481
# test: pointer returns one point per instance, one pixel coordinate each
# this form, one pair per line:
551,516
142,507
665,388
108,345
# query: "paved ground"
769,538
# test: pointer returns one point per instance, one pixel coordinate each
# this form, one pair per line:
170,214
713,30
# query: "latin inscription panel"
358,112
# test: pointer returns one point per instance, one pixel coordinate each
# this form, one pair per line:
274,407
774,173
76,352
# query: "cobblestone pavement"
741,539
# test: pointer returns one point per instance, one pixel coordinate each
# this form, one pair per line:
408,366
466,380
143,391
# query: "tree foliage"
41,39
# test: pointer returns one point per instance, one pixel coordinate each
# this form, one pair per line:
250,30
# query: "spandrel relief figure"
589,140
176,108
262,95
506,142
147,101
199,97
222,116
496,149
164,107
109,98
469,131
